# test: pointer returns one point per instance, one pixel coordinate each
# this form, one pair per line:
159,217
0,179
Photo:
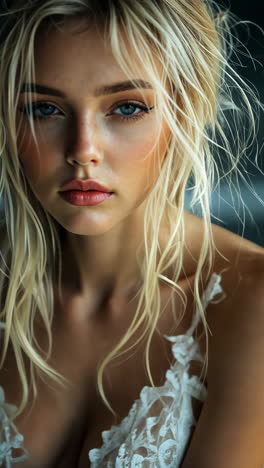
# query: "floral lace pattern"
157,428
10,438
156,431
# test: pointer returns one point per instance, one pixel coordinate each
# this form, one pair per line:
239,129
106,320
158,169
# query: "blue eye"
128,111
128,108
39,110
45,110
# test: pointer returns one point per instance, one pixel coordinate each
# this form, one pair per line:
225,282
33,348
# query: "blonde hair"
189,40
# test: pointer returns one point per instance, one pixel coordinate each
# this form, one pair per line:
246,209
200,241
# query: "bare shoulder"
237,322
231,251
241,266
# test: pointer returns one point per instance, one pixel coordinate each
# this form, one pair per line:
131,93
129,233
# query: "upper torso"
67,425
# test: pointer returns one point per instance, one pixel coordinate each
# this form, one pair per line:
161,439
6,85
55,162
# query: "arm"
230,430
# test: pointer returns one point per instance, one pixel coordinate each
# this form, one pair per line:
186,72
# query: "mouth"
88,197
89,190
85,186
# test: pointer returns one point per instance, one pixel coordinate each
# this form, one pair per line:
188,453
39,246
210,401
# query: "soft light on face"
89,125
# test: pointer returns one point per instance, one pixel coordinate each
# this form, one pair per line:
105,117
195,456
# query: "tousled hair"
184,47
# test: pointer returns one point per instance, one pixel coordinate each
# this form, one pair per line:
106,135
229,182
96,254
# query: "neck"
107,264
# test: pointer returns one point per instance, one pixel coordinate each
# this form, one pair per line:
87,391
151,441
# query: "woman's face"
87,127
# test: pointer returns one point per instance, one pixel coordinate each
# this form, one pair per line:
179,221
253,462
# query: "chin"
86,227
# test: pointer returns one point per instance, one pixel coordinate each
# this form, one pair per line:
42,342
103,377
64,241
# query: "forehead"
77,51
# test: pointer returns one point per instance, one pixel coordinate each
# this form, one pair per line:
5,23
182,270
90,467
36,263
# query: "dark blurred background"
235,206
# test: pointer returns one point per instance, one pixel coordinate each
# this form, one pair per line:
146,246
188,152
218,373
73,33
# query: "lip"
85,198
84,185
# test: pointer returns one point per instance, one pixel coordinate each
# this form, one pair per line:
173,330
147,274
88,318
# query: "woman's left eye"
129,111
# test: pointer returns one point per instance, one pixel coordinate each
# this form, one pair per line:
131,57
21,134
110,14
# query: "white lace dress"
156,431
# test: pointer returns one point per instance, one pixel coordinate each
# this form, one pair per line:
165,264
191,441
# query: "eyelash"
35,105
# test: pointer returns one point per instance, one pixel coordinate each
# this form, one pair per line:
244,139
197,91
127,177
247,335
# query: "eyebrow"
101,91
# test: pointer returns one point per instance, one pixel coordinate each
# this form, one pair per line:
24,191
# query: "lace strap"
212,290
10,438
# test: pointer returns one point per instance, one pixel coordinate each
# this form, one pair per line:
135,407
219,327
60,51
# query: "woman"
107,285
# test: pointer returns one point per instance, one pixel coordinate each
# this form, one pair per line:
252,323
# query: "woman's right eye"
39,110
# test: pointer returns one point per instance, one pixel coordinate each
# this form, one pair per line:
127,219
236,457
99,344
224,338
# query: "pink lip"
85,198
84,185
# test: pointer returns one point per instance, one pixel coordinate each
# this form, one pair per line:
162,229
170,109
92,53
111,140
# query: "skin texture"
84,137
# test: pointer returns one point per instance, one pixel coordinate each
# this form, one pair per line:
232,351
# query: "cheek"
144,154
136,163
34,164
134,148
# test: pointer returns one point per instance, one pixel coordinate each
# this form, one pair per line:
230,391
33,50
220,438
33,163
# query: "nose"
84,146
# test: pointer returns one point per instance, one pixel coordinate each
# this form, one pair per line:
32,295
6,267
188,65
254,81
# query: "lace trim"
120,442
213,289
10,438
129,432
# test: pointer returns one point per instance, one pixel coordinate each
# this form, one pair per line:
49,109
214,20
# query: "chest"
121,393
124,380
64,425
